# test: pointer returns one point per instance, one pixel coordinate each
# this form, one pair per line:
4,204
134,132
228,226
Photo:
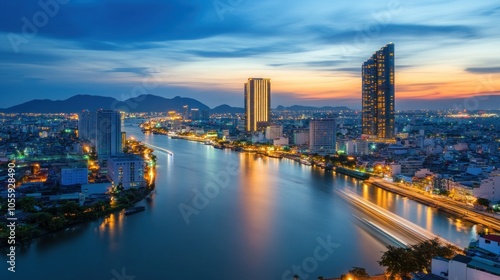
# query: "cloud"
351,36
141,71
492,12
114,25
29,58
483,70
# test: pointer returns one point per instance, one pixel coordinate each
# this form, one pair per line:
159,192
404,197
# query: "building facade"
274,131
487,187
378,93
109,134
74,176
87,125
322,136
126,170
257,103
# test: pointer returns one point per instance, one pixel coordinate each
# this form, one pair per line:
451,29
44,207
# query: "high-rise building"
257,103
109,133
195,114
87,125
378,93
322,136
185,115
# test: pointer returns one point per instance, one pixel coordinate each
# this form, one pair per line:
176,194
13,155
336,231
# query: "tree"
427,250
418,257
399,261
483,201
359,273
70,208
27,204
43,219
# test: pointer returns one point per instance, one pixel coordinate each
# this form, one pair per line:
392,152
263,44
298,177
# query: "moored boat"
133,210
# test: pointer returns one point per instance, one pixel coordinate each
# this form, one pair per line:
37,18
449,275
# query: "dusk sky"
312,50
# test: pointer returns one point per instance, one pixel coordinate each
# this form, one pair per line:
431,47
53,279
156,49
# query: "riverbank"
53,220
440,203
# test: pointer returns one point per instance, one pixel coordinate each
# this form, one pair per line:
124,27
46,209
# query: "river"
243,217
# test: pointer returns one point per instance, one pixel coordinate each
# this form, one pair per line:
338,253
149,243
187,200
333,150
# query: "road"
461,210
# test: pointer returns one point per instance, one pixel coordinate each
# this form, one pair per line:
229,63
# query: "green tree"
399,261
483,201
70,208
359,273
57,222
42,219
24,233
27,204
427,250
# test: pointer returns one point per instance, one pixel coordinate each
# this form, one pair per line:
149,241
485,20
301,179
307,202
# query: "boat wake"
389,225
160,149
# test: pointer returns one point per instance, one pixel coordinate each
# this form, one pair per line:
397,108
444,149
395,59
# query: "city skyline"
200,52
222,139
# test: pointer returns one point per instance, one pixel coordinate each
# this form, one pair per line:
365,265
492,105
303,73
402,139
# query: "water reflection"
256,198
111,228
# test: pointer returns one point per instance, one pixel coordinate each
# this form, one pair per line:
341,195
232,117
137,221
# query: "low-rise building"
462,267
74,176
487,187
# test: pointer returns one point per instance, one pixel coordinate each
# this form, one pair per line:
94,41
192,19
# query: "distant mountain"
71,105
310,108
142,103
226,109
153,103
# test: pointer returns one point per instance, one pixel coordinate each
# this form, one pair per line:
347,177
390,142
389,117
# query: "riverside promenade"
458,209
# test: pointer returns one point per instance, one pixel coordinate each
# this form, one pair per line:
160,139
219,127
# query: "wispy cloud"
483,70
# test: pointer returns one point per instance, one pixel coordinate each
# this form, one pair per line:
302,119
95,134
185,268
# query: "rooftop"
492,237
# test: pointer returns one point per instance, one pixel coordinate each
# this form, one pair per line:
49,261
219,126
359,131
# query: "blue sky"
312,50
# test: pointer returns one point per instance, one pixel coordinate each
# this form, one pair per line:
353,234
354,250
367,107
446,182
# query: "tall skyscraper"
87,125
378,93
257,103
322,136
109,133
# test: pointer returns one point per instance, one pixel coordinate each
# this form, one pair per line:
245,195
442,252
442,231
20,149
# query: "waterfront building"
127,170
74,176
322,136
301,137
257,103
273,132
281,141
378,93
109,136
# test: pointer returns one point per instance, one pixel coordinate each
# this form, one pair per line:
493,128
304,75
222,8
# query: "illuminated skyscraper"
378,93
257,103
109,133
